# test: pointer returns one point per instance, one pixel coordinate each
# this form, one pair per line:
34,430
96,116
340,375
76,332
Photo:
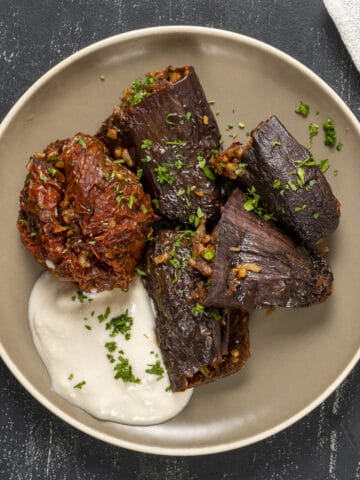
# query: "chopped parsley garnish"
139,90
208,254
216,315
119,198
168,389
330,132
178,164
123,370
120,324
80,385
156,369
308,162
111,346
275,143
143,209
71,376
313,131
300,179
277,184
339,146
81,297
198,310
110,357
52,171
81,141
302,109
131,202
324,165
253,204
179,143
155,202
300,209
140,272
139,173
205,168
291,186
146,159
316,215
146,144
241,125
43,177
88,327
163,175
196,219
104,316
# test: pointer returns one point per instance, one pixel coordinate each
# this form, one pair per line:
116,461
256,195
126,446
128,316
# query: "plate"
298,357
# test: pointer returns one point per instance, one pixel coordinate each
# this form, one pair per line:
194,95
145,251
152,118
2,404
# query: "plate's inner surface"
296,355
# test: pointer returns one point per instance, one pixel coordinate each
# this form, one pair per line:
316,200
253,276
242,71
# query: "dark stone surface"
34,444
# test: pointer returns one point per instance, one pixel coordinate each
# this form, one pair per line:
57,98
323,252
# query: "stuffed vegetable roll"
256,265
286,178
171,133
198,344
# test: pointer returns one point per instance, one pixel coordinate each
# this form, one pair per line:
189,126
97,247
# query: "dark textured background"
34,444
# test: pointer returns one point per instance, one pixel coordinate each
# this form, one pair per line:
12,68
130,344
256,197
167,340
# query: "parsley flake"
302,109
80,385
120,324
156,369
330,133
124,371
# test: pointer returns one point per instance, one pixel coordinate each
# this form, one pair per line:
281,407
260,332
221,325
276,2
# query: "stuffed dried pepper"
83,216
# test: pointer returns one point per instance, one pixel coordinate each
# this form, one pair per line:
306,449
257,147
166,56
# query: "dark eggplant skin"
182,128
298,195
256,265
199,345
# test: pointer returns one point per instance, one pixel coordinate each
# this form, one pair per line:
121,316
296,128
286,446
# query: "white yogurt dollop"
75,337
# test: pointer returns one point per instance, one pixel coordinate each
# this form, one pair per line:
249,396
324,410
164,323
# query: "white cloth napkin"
346,16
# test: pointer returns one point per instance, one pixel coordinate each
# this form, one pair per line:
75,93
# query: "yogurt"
101,352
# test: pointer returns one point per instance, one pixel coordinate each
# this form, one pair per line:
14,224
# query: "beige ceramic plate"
298,357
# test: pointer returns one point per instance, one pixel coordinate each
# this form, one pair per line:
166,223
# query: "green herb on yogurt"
80,385
124,371
156,369
104,316
111,346
121,324
81,297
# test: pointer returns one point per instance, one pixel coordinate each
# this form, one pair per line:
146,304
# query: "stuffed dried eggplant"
199,345
172,133
286,178
256,265
82,216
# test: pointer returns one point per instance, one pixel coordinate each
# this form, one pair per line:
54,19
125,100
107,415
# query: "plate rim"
120,38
